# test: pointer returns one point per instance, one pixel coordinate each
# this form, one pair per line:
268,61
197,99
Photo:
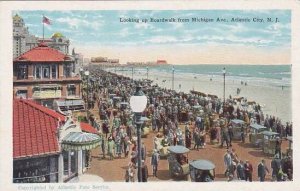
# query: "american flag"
46,20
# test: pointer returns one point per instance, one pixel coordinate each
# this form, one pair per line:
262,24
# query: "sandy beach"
274,100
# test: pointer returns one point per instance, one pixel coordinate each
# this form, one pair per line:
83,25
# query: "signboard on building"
46,94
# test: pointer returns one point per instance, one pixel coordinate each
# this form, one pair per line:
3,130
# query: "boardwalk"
115,170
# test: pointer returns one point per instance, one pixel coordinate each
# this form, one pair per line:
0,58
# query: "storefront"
36,170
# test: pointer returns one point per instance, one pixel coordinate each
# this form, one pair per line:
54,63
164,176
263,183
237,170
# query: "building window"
68,70
46,71
21,94
54,71
22,72
71,90
37,72
70,166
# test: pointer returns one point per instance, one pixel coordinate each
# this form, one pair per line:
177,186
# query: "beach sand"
275,101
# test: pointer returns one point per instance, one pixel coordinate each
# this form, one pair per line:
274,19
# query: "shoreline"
275,101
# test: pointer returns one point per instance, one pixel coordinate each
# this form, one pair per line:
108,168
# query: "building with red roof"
34,130
161,62
48,146
45,74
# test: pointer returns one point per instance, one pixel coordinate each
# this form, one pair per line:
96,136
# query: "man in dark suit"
276,166
144,172
262,170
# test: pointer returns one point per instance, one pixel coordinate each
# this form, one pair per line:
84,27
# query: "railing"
36,179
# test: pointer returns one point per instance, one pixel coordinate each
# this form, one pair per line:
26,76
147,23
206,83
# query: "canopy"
237,121
145,119
269,133
80,141
238,98
257,127
178,149
203,164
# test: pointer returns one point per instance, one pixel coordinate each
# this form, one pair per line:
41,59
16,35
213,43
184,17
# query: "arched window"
60,40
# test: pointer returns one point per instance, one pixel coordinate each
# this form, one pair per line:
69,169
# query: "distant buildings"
161,62
57,41
153,63
78,58
104,60
24,41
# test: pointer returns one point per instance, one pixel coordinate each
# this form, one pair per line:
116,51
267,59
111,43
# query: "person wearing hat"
224,136
240,170
276,166
278,147
103,144
248,171
105,128
110,148
154,161
262,170
188,139
228,163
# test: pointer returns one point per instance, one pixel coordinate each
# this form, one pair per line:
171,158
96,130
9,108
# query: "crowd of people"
167,109
237,169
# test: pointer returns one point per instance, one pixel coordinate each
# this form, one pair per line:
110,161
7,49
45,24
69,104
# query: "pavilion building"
45,74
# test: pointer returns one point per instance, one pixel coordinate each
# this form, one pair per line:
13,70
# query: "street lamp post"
224,74
147,72
132,73
87,73
138,103
173,71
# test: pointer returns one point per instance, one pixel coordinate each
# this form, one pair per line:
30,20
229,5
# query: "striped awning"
80,141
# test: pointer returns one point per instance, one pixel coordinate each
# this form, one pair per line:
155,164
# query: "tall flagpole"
43,27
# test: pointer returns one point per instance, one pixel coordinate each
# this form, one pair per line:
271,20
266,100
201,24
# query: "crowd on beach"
204,117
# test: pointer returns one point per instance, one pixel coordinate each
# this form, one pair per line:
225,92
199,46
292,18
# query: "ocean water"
260,75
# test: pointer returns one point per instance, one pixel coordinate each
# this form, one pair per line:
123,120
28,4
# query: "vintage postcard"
155,96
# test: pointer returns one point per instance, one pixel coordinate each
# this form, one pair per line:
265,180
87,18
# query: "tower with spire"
22,39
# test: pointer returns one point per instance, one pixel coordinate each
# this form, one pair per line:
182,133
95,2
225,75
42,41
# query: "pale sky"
100,33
